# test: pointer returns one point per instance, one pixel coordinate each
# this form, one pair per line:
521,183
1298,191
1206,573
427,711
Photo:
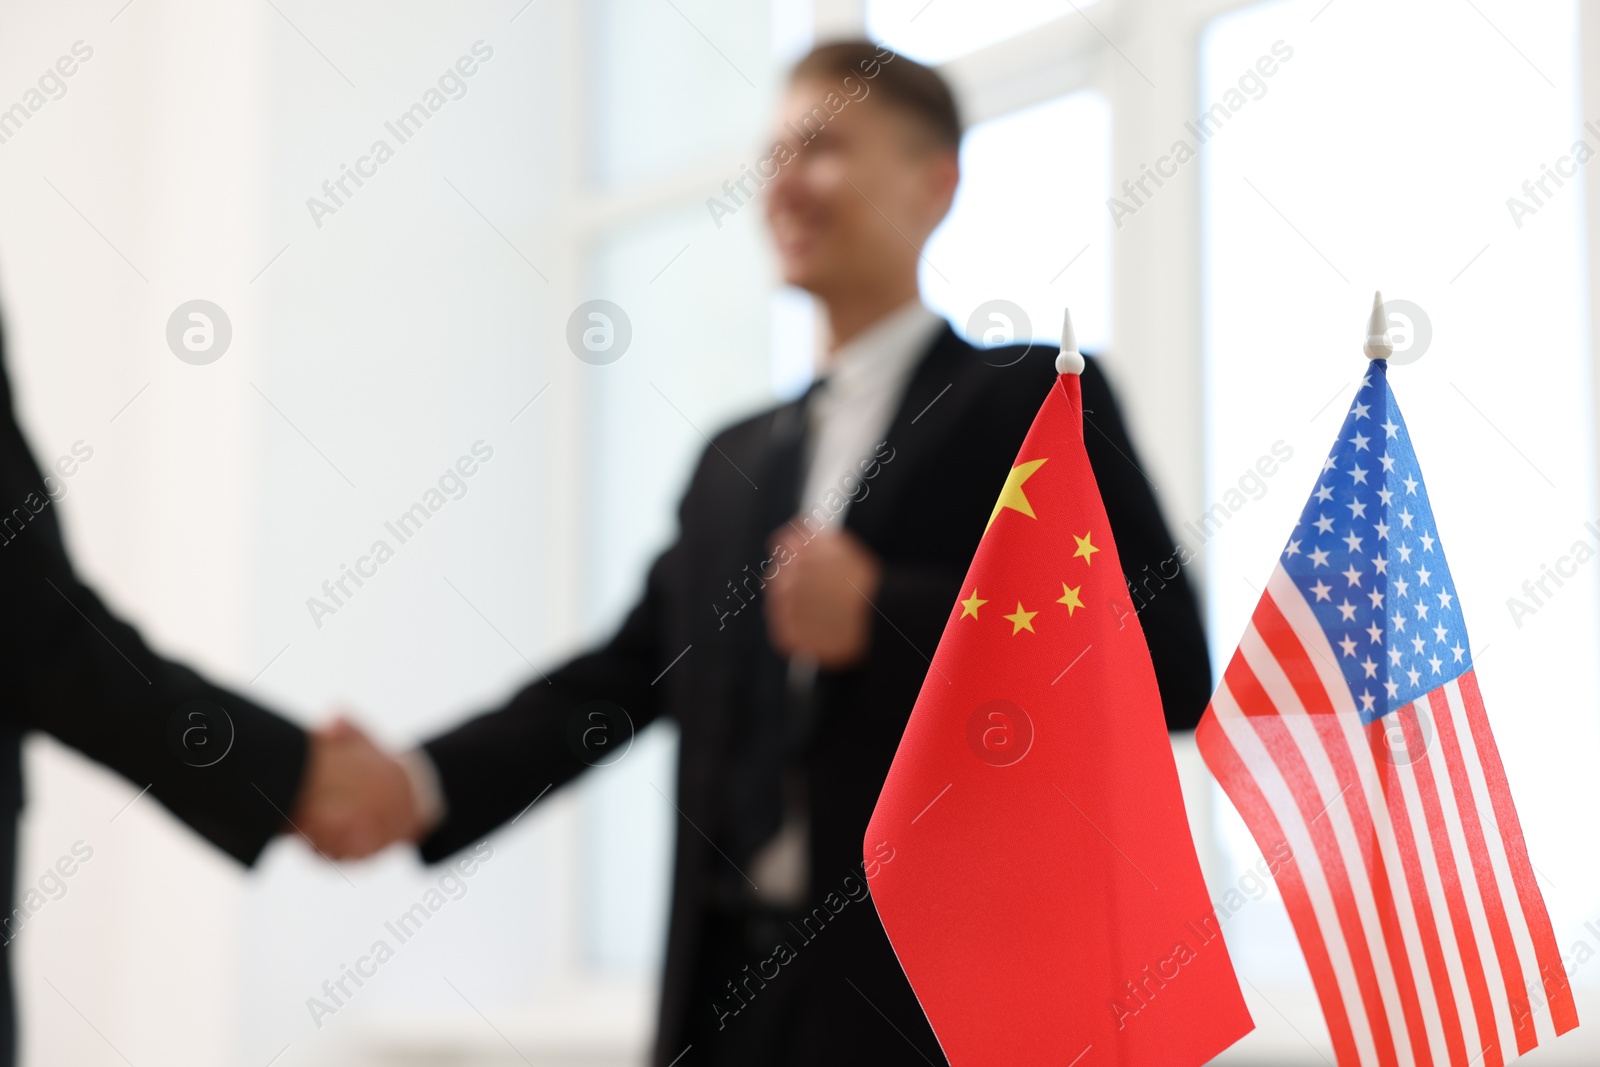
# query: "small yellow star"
1011,494
1069,597
971,605
1021,620
1085,549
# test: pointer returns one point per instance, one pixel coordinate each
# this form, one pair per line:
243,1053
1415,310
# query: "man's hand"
820,604
355,799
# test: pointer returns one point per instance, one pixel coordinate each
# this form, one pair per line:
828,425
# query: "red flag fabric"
1045,900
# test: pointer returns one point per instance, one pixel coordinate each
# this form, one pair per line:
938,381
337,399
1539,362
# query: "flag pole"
1070,360
1378,346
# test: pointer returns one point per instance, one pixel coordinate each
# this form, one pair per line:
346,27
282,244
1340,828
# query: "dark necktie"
763,740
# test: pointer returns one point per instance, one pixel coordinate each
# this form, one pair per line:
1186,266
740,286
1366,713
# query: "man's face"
858,189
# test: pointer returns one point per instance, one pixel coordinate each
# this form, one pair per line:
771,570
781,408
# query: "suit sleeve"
493,766
1168,611
911,608
78,672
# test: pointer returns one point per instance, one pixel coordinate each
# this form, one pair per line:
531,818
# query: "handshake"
356,799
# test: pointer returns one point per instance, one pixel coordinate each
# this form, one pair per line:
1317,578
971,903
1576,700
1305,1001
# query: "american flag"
1349,726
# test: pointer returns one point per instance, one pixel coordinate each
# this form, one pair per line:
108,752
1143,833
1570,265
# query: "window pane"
1036,235
673,83
932,31
698,306
1370,160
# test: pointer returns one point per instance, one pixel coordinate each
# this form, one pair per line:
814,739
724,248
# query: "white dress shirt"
850,415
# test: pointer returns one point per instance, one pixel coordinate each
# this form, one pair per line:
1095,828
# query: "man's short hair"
916,90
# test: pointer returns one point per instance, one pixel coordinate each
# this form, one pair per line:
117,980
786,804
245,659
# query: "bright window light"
933,31
1037,236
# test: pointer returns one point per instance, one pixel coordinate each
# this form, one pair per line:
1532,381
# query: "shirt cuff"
426,793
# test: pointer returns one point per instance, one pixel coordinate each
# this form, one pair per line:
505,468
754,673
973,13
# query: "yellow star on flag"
971,605
1021,620
1069,597
1011,495
1085,549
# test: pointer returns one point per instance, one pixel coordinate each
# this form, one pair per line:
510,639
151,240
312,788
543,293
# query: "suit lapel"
941,388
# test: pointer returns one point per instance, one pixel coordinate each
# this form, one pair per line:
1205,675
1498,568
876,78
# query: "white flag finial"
1378,346
1070,361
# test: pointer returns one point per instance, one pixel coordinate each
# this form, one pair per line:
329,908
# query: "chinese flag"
1045,899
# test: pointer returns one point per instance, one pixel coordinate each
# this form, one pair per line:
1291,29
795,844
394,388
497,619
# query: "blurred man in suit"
235,772
788,628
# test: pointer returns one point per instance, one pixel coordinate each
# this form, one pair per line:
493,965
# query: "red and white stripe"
1410,887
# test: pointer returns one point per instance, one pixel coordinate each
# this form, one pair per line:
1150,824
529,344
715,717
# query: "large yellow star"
1021,620
1085,549
1069,597
1012,496
971,605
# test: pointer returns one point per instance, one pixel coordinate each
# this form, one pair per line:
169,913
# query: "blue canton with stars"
1366,556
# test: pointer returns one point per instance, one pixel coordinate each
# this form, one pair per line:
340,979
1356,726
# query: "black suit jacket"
953,440
74,670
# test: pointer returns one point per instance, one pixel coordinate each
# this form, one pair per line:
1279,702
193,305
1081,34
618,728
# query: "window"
933,31
705,349
1029,224
1333,178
